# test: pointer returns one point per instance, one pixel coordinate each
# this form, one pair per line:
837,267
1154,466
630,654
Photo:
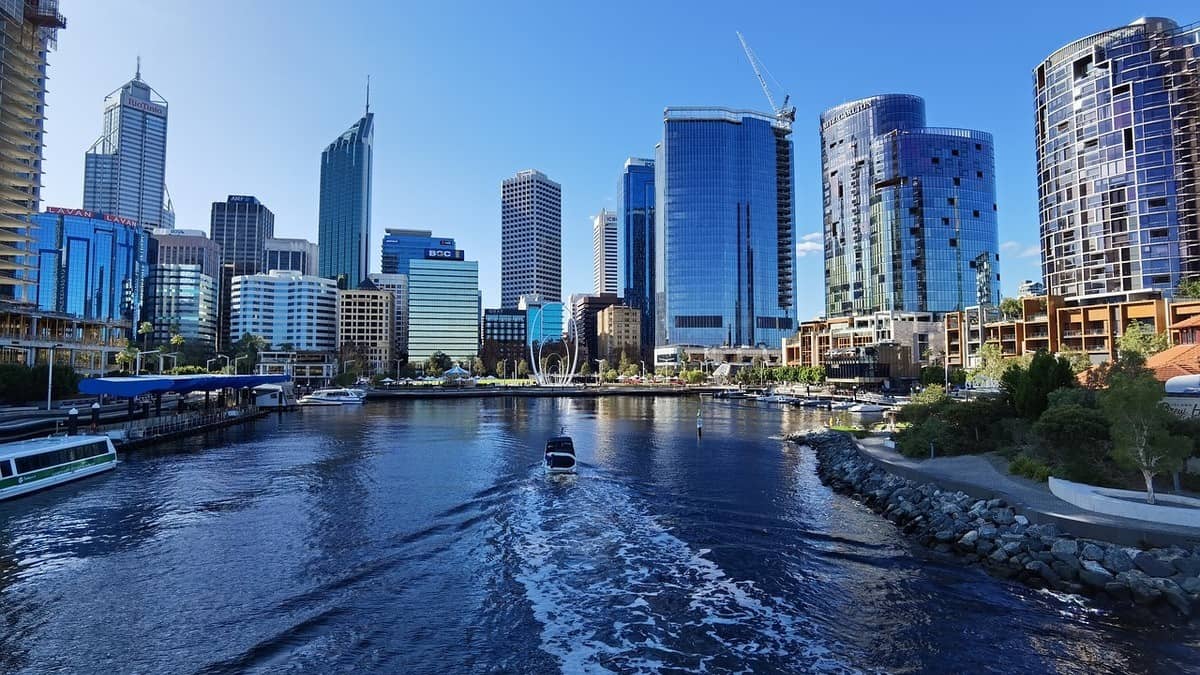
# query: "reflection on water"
422,536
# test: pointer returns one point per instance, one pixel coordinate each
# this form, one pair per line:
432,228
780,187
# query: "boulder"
998,556
1042,570
1117,590
988,532
1151,565
984,546
944,536
1066,569
1021,520
1190,585
1092,552
1093,574
1189,565
1002,516
1011,547
1116,560
1065,549
968,539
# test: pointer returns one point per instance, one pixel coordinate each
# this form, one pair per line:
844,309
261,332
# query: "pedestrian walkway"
981,477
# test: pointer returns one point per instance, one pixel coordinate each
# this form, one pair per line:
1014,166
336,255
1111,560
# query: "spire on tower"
368,94
138,75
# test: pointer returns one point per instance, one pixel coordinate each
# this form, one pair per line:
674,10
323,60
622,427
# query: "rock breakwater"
994,534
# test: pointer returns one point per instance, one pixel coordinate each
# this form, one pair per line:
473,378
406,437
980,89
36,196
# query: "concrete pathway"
985,477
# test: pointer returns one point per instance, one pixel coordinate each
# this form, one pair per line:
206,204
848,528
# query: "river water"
422,536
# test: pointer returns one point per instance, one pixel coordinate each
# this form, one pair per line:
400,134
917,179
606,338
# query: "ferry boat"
27,466
560,455
332,397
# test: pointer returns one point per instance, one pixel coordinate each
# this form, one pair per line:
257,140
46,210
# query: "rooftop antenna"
138,74
368,95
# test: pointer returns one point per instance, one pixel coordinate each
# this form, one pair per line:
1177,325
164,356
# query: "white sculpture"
562,376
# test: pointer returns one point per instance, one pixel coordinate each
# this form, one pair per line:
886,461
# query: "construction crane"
783,113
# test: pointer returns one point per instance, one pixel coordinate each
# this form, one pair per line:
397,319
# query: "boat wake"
614,590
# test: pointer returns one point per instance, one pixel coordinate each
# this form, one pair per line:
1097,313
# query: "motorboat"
730,394
866,408
560,455
333,397
26,466
843,405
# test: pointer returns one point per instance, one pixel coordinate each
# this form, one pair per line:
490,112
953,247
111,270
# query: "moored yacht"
340,396
26,466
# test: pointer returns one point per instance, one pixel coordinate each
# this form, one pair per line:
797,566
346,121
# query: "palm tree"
145,328
177,341
127,356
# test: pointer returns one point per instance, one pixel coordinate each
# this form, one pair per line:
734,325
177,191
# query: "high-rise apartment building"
287,309
909,211
443,309
530,238
30,31
92,265
1117,125
618,332
344,219
124,172
182,288
637,264
400,246
504,339
366,320
584,309
725,240
241,226
604,252
297,255
397,285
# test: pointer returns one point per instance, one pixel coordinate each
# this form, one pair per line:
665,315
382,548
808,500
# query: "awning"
128,387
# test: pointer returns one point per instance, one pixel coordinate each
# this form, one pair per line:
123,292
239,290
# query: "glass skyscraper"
401,246
297,255
29,30
637,264
443,309
909,211
241,226
89,264
182,286
530,238
1118,155
344,219
605,245
725,240
125,169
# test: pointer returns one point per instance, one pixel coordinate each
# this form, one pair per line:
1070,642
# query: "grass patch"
1034,469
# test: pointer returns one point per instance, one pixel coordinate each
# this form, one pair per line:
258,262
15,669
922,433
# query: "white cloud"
1009,246
1019,250
810,243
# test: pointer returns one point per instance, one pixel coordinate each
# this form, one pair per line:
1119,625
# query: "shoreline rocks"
992,533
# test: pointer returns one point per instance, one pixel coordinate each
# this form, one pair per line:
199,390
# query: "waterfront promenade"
983,477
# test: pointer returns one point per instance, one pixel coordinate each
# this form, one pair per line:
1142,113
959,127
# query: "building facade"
366,323
344,221
443,309
545,318
1030,287
637,257
922,334
397,285
725,241
1117,118
30,31
504,340
400,246
605,238
286,309
296,255
909,211
618,331
530,238
584,309
124,172
87,264
183,286
240,226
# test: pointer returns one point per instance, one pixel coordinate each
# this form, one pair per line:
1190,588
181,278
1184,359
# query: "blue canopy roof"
129,387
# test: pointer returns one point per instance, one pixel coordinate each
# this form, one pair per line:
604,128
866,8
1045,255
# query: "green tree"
477,367
1140,427
958,377
693,376
438,363
609,375
991,364
1140,338
177,341
249,346
933,375
1079,361
1027,388
145,328
931,395
1075,438
585,369
1011,308
126,357
522,368
1189,288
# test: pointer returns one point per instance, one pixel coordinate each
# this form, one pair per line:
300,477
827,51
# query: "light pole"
137,361
235,362
643,369
208,364
174,356
50,375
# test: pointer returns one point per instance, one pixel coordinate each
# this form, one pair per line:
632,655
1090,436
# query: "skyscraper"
287,308
443,309
182,286
30,31
124,171
401,246
909,212
1117,126
530,238
604,252
637,264
298,255
241,226
344,221
725,254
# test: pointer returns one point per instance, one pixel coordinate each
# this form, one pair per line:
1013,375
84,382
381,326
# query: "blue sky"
466,94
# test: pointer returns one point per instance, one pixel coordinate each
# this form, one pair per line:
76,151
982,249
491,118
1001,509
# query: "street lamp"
174,356
235,362
50,375
137,361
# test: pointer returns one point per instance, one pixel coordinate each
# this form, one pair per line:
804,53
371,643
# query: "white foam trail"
615,590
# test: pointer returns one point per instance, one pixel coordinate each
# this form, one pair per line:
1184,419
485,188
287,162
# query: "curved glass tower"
344,221
1118,145
725,231
909,211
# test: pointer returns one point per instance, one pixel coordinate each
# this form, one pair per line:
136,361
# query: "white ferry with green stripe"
27,466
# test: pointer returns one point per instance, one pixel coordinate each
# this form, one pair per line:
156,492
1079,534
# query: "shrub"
1076,441
915,440
1024,465
1028,388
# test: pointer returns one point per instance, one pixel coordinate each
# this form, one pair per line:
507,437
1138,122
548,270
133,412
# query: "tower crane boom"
783,113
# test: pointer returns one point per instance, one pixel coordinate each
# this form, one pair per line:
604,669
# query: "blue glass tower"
725,231
909,211
401,246
1118,157
88,264
637,264
344,219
